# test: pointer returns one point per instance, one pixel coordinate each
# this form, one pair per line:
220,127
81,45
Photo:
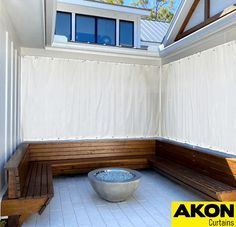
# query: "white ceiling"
27,17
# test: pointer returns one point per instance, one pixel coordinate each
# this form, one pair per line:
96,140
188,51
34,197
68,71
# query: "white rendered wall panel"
3,124
8,87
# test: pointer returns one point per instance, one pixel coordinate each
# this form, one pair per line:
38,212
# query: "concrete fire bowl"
114,184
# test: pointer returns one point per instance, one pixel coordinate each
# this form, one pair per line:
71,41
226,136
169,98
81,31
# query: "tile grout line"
85,207
73,209
126,215
113,216
149,212
61,207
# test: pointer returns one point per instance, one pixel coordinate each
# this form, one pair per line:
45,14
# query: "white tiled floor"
76,204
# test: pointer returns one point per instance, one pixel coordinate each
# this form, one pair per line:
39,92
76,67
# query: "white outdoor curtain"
75,99
199,99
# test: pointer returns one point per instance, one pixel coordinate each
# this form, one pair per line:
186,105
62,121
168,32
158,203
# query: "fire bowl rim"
137,175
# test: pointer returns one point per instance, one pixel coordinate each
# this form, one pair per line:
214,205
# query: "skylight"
162,10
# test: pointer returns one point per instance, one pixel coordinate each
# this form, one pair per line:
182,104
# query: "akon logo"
204,214
202,210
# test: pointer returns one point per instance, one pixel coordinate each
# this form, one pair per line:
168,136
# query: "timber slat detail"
211,174
215,189
102,143
213,165
91,149
84,166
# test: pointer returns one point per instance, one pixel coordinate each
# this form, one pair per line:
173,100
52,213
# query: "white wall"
9,68
71,99
198,99
27,18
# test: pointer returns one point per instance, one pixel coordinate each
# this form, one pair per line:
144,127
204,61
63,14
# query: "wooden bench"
30,186
30,169
32,166
81,157
211,175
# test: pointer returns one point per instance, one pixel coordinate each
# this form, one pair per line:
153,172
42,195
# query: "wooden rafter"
207,10
187,19
207,20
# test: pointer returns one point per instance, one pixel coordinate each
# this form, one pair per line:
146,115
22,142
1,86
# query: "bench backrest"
91,149
213,165
17,169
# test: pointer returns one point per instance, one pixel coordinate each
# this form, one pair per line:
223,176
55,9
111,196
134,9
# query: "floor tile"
75,204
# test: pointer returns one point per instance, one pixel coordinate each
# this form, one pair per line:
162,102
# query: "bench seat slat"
44,185
30,192
37,181
50,191
27,182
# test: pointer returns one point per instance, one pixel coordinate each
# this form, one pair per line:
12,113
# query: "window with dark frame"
126,33
106,31
63,24
85,29
90,29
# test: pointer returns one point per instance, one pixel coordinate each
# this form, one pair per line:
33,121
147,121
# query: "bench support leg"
22,208
13,221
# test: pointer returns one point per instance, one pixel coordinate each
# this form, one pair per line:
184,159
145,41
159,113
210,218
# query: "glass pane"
85,29
106,31
126,33
63,24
